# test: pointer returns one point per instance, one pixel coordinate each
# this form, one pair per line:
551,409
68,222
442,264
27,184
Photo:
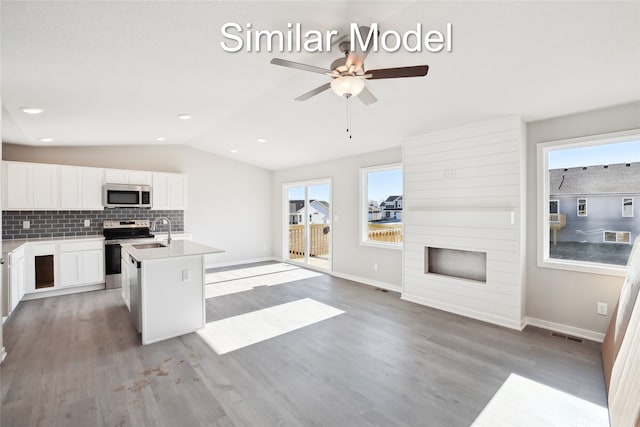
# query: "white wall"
223,194
349,257
567,297
464,190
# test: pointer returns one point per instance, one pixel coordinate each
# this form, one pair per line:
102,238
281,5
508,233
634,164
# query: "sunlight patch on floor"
521,402
240,273
213,290
243,330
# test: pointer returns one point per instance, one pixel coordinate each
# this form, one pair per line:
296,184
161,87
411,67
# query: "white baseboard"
239,262
474,314
374,283
63,291
565,329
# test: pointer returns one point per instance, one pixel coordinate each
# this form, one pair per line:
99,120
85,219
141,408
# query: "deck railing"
318,240
388,232
556,222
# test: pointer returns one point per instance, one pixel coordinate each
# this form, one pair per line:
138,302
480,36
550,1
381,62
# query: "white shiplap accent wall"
464,189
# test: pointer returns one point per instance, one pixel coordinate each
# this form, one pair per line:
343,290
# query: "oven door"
112,258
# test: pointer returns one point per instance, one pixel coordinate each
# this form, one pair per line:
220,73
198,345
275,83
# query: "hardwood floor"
76,361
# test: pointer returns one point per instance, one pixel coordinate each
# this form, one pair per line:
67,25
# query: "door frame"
285,222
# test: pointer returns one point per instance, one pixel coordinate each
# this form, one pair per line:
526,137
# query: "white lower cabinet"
81,263
16,278
124,276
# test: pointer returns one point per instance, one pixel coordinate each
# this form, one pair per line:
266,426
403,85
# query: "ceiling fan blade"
314,92
357,56
367,97
394,73
298,66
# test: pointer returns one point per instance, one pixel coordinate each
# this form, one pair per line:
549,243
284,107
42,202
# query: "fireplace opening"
469,265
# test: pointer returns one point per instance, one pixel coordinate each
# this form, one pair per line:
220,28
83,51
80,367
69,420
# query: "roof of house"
393,198
620,178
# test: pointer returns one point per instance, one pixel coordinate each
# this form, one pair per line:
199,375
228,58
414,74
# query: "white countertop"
177,248
12,245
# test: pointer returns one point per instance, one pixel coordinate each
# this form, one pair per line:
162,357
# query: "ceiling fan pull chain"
349,116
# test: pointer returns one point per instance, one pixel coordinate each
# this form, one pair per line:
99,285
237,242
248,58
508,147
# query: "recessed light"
160,138
184,116
47,139
233,151
262,140
32,110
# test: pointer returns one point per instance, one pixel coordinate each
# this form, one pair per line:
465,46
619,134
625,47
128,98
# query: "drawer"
81,246
43,249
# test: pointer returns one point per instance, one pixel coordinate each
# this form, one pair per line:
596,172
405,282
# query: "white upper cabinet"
160,190
30,186
37,186
80,188
19,186
169,191
92,182
119,176
140,178
70,187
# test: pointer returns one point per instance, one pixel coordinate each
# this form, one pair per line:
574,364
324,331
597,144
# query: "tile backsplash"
71,223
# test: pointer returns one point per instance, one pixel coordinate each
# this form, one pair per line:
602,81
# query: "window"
582,207
616,237
381,206
627,207
590,173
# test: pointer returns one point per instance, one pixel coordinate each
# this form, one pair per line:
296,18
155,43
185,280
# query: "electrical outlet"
602,308
186,275
26,224
87,223
375,267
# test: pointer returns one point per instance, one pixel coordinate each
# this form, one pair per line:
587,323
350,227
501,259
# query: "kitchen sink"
149,245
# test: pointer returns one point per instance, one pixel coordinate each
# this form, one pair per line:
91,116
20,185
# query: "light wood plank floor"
76,361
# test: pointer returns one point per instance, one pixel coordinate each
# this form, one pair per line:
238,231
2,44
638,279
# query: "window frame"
632,207
617,234
364,206
542,199
557,206
578,214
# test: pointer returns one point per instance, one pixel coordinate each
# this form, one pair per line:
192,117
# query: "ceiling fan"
348,74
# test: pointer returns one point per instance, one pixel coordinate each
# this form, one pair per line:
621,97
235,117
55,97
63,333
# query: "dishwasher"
135,292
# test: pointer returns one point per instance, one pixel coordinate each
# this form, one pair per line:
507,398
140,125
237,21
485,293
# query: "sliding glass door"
307,223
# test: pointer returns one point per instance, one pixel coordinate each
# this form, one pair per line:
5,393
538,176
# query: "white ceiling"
113,73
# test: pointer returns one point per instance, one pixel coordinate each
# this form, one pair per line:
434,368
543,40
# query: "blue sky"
605,154
316,192
384,184
381,185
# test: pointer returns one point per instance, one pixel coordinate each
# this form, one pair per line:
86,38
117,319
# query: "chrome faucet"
164,219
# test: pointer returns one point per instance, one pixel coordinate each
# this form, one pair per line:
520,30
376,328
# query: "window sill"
585,267
394,246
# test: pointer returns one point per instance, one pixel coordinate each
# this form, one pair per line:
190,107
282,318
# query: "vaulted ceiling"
116,73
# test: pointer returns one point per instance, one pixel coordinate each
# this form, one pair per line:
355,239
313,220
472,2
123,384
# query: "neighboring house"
392,208
317,211
375,213
294,207
597,203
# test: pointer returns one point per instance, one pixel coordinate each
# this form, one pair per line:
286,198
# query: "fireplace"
461,264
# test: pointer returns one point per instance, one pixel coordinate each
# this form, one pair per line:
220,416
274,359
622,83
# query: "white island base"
167,289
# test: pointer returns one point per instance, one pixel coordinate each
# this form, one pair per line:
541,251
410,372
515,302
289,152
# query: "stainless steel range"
115,233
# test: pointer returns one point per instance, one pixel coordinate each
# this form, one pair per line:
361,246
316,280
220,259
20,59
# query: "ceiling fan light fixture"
347,86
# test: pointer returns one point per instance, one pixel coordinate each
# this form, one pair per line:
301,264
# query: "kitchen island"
166,287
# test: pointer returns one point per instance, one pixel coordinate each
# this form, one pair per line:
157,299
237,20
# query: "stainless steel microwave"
126,196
